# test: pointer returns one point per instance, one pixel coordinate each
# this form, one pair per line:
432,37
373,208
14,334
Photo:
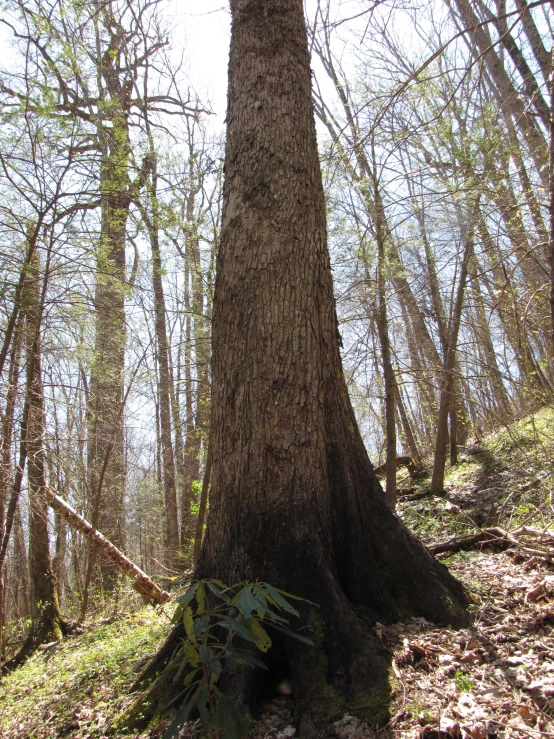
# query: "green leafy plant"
215,617
462,682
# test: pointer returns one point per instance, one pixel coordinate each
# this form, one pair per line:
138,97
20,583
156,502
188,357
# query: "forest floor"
493,680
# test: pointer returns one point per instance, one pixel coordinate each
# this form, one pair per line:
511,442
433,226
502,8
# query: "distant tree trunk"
294,500
551,201
191,457
409,437
384,340
202,512
164,379
483,337
535,39
21,566
47,622
439,462
531,377
508,98
5,464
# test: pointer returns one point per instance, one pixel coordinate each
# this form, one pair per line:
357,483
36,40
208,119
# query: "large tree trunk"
294,500
106,459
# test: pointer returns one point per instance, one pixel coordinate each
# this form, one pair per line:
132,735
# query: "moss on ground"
76,687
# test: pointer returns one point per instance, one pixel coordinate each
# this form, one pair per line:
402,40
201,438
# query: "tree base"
346,671
50,627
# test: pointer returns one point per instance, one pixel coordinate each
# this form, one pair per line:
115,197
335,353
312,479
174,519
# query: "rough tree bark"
47,622
106,460
6,467
294,500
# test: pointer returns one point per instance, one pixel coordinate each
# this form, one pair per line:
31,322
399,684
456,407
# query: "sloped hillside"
494,680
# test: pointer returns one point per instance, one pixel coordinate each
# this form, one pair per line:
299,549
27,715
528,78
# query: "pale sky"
204,26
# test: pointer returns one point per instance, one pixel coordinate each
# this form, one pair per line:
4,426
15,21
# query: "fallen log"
142,583
488,537
415,471
411,497
524,539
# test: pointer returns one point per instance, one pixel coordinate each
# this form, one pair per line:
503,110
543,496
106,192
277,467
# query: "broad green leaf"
219,589
277,597
246,602
263,641
233,624
207,656
177,615
174,728
188,595
293,634
263,606
188,622
181,668
203,698
191,654
201,599
246,658
201,624
228,719
231,660
189,679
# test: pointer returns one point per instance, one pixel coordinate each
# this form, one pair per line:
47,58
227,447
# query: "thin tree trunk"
437,479
45,612
411,443
202,512
21,566
164,394
508,98
384,339
551,202
191,461
5,462
530,376
535,39
483,336
530,85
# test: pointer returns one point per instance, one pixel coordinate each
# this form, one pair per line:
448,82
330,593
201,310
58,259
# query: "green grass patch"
74,689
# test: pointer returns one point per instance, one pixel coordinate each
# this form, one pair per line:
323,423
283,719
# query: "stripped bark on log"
142,583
